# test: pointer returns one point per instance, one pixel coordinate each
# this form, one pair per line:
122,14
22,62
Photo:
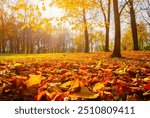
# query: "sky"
52,11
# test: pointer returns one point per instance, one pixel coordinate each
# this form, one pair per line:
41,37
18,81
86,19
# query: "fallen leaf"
60,97
40,95
75,85
17,64
1,90
54,89
98,86
147,79
34,80
84,93
120,72
131,97
66,84
50,96
146,87
146,93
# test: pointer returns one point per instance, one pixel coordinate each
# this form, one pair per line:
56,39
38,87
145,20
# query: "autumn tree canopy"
46,26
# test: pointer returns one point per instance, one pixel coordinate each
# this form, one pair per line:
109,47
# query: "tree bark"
107,21
0,47
107,28
3,46
11,46
86,33
116,51
133,26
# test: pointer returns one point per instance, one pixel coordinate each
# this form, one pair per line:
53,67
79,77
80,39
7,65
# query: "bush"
147,47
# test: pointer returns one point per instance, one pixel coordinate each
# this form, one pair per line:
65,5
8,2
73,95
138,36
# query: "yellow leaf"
66,84
84,93
147,79
37,8
39,14
17,64
25,26
98,86
43,8
75,84
34,80
120,72
20,16
99,64
21,0
54,89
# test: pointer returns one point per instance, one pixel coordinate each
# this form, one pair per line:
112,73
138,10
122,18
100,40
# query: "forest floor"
75,76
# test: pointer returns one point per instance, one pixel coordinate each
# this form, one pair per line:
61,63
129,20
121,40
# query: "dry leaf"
85,93
34,80
147,79
17,64
66,84
98,86
75,84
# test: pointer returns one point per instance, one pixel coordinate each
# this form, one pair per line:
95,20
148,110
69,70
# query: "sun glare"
52,11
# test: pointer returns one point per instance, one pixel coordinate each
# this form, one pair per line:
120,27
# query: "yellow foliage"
21,0
25,26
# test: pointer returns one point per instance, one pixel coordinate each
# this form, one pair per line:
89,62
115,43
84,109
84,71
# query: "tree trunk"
116,51
17,45
107,28
86,33
3,46
0,47
133,27
107,40
107,21
31,46
11,46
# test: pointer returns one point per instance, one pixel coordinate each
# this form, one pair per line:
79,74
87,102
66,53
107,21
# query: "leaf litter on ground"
79,76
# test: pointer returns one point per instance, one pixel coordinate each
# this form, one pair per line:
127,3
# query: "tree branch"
145,19
123,7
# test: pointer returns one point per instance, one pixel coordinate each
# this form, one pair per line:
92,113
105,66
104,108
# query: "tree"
145,7
77,12
133,26
116,51
106,15
127,42
142,35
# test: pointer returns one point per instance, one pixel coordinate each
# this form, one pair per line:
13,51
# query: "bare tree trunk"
86,33
18,45
107,28
0,47
11,46
3,46
23,43
107,23
133,27
116,51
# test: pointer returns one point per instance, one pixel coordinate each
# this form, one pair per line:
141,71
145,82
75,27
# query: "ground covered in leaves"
78,76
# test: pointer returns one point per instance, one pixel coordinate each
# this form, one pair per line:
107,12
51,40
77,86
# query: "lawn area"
75,76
